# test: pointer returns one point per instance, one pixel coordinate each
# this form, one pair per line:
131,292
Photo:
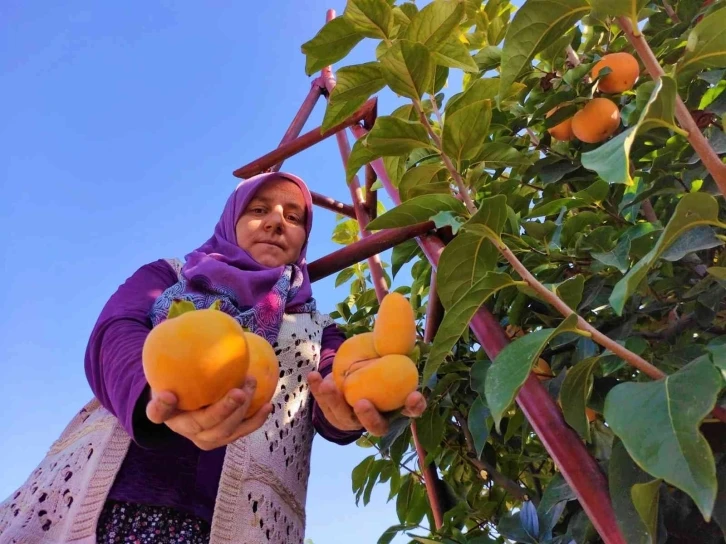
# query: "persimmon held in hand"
200,355
375,365
395,327
265,367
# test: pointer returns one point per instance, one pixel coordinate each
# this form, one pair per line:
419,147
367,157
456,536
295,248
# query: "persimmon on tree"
579,166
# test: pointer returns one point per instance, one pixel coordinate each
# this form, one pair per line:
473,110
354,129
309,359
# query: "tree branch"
698,141
444,157
497,477
560,305
671,12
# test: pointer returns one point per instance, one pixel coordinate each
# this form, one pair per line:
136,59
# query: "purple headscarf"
254,294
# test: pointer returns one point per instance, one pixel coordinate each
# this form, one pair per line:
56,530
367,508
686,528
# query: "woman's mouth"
273,244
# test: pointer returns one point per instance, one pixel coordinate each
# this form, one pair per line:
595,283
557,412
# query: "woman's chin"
269,260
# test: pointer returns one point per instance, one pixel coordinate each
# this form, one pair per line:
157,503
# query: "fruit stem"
463,191
572,56
698,141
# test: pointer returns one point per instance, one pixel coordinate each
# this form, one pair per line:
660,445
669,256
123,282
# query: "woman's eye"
293,218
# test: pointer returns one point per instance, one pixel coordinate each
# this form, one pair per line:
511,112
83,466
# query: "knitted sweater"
261,485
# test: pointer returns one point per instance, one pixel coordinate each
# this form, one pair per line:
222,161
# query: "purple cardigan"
161,467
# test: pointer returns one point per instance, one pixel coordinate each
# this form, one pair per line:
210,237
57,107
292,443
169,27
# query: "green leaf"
481,89
478,376
430,427
359,156
612,160
490,218
395,166
718,272
623,474
574,394
408,69
417,210
355,84
570,290
457,317
488,58
464,261
706,46
401,254
344,276
645,499
693,210
514,363
477,422
619,256
537,24
390,533
447,219
393,136
696,239
658,423
434,24
454,54
390,136
405,497
371,18
360,474
179,307
617,8
420,176
497,155
466,129
333,42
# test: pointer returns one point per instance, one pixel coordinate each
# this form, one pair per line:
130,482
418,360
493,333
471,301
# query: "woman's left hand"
361,416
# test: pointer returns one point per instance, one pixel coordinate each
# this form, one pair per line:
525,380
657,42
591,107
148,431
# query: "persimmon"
355,349
624,72
598,120
386,382
542,370
561,131
265,367
394,331
198,355
375,365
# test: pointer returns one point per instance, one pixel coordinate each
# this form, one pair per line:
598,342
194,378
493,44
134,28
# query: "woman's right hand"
213,426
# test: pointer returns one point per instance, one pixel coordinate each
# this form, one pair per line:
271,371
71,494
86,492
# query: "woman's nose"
274,219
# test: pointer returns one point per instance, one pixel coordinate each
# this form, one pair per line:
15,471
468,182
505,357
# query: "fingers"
370,418
415,405
222,424
161,407
332,402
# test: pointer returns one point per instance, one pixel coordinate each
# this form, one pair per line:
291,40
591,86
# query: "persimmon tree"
601,252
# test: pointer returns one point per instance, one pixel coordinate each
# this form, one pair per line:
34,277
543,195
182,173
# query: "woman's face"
272,228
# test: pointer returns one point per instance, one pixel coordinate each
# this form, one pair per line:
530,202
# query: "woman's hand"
213,426
361,416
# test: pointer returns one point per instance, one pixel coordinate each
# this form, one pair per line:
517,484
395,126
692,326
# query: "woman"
131,467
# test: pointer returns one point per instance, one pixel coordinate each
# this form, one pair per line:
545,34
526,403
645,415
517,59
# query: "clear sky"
121,125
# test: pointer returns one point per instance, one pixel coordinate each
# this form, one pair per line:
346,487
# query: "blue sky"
121,125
